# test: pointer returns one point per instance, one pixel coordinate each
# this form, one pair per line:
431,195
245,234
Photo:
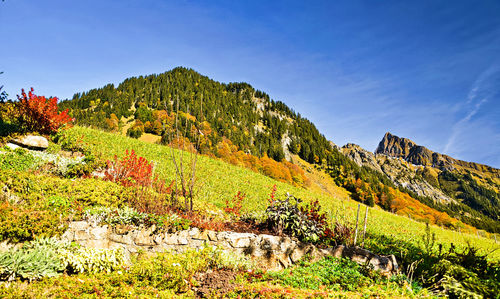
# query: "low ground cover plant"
49,257
165,274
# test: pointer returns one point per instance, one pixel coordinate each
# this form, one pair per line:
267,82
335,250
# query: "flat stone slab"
31,141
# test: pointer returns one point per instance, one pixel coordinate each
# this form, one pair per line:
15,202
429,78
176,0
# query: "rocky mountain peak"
395,146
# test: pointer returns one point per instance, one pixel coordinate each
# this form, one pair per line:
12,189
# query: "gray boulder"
31,142
385,264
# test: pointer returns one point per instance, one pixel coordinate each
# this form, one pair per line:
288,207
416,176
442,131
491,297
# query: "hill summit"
411,152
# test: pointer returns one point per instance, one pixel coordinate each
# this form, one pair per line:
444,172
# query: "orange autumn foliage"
399,203
283,171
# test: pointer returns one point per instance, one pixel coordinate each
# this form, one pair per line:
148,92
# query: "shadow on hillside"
7,128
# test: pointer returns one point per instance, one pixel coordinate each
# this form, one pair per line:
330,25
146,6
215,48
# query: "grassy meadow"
218,181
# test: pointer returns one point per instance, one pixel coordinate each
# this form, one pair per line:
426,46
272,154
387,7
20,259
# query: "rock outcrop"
400,172
31,142
361,156
267,251
408,150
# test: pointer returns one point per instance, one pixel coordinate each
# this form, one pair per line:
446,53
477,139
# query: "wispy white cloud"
482,90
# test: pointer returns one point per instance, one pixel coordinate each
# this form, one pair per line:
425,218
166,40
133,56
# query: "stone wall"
269,252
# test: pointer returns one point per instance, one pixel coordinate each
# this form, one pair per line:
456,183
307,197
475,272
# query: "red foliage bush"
37,113
234,207
130,171
272,195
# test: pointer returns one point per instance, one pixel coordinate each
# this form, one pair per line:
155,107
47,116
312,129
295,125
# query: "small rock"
78,225
183,234
158,239
284,260
239,240
268,242
194,232
68,235
122,229
99,232
122,239
201,236
32,142
96,243
144,238
81,235
212,236
182,241
170,239
385,264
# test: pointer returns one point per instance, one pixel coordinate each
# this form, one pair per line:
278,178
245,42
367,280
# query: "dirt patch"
215,283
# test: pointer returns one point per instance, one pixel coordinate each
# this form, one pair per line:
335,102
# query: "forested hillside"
243,126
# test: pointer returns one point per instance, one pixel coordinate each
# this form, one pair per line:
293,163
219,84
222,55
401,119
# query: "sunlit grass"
218,181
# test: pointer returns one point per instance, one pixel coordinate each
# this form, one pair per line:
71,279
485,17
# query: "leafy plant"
285,216
341,233
92,260
169,222
123,215
58,203
32,261
329,272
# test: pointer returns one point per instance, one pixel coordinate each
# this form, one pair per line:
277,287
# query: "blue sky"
426,70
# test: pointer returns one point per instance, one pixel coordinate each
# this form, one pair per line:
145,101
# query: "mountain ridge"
462,189
407,149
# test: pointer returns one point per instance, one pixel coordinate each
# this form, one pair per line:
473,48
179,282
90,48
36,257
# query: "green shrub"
70,141
35,189
19,224
169,222
95,285
176,271
285,216
134,132
58,203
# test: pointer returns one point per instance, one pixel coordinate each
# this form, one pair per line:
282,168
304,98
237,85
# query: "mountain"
466,190
400,172
395,146
244,126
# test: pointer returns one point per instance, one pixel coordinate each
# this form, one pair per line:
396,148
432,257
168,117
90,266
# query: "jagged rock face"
360,156
394,146
408,150
400,172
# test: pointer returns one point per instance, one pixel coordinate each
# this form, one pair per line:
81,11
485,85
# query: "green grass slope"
218,181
